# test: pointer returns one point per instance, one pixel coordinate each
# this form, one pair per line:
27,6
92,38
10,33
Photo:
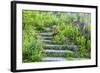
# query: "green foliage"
32,47
70,56
66,32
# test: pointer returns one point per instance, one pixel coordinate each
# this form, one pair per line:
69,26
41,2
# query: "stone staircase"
54,52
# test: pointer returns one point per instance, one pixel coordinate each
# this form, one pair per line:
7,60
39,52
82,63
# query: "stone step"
57,51
52,54
46,33
48,29
61,59
47,41
67,47
47,38
71,59
53,59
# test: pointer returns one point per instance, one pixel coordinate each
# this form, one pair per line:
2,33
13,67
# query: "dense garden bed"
68,28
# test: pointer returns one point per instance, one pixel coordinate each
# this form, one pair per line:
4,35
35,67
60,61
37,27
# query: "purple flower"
86,31
81,24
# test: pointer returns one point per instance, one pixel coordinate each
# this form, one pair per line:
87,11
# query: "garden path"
53,51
